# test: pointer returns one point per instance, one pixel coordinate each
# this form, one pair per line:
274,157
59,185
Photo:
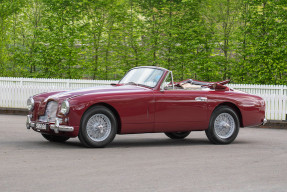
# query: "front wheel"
98,127
223,126
55,138
177,135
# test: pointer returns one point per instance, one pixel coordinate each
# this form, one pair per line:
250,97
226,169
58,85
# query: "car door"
180,110
136,110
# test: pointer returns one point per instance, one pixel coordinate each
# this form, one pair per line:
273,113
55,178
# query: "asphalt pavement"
255,162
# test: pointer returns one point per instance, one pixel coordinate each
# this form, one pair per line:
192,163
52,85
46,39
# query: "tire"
178,135
98,127
223,126
55,138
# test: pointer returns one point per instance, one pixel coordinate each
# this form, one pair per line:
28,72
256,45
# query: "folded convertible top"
211,85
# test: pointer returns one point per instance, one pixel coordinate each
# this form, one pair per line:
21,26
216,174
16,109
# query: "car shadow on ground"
117,143
138,143
151,142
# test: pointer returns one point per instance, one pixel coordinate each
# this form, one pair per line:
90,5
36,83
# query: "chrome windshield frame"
150,67
168,73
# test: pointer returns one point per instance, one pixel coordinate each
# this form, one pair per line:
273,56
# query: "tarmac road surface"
255,162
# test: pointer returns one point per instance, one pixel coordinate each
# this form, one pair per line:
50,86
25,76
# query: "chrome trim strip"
201,99
172,80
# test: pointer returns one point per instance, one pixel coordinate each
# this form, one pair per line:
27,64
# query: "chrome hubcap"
224,125
99,127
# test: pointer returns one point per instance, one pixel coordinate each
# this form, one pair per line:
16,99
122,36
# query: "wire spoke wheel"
224,125
99,127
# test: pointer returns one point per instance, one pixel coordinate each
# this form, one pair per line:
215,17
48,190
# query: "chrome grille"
50,113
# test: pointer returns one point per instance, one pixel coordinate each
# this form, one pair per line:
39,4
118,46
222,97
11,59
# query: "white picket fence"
15,91
54,83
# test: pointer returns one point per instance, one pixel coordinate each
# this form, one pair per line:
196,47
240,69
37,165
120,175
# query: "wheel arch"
235,108
114,111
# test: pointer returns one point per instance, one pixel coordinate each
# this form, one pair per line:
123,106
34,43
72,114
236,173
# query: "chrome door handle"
201,99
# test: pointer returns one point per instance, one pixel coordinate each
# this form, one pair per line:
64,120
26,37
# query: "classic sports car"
145,100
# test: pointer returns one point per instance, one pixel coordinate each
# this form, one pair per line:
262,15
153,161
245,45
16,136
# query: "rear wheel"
55,138
98,127
223,126
177,135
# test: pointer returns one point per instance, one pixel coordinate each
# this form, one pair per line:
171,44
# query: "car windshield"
143,76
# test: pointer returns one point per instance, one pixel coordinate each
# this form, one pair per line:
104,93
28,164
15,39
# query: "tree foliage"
210,40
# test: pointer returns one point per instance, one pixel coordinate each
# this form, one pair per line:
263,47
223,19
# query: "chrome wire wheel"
224,125
99,127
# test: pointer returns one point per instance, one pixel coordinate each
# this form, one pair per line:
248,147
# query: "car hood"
60,96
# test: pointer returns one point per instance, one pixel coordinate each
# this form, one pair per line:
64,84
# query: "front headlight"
30,104
65,107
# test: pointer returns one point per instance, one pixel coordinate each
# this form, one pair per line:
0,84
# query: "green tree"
207,40
266,33
7,9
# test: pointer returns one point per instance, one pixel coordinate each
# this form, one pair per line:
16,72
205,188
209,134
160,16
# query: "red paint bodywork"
142,110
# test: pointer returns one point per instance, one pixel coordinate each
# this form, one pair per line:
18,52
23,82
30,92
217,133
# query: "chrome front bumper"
56,127
264,121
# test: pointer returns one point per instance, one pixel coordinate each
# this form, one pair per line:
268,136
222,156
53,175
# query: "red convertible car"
145,100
